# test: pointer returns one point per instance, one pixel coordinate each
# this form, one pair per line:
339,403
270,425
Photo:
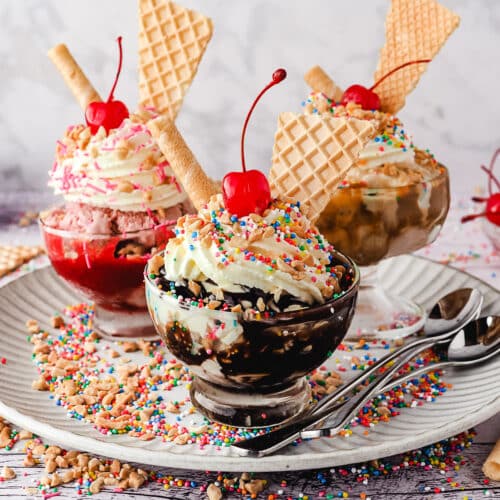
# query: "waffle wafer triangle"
172,41
312,153
11,257
415,29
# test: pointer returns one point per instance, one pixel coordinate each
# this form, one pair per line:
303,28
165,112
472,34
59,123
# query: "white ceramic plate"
474,398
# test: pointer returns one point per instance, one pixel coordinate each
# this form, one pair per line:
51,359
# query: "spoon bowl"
446,317
452,311
476,342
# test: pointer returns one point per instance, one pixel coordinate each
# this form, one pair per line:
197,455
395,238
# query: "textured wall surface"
454,111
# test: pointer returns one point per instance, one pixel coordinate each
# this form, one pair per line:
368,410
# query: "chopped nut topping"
194,287
125,187
8,473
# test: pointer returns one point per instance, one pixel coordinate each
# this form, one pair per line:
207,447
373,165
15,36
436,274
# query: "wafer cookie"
11,257
172,41
312,153
415,29
73,76
319,81
186,168
491,466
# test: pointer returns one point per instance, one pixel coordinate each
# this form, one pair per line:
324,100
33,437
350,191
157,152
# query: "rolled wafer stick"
491,467
319,81
73,75
186,168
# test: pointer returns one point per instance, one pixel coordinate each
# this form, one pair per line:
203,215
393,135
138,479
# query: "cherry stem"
278,76
477,199
119,40
491,178
468,218
489,171
387,75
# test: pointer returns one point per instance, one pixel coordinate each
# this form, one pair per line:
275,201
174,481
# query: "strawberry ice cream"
121,201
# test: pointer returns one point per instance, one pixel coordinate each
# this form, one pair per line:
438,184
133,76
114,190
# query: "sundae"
394,197
121,196
248,293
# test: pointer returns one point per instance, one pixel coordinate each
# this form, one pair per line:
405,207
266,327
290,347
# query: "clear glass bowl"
371,224
105,270
251,372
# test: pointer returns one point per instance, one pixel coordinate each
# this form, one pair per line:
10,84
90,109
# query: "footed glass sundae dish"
248,294
393,198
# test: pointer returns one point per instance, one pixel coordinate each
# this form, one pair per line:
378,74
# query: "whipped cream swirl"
123,169
392,146
278,252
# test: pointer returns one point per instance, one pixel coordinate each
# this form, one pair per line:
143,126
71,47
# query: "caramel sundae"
393,200
394,197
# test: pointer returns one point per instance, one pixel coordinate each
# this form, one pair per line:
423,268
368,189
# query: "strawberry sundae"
121,197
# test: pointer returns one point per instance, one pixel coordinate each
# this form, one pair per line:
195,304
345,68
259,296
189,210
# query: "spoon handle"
346,389
269,443
415,374
349,410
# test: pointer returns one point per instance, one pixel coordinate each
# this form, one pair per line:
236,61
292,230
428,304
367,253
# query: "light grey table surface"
412,483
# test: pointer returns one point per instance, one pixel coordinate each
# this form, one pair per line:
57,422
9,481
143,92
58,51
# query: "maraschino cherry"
492,209
109,114
248,191
367,98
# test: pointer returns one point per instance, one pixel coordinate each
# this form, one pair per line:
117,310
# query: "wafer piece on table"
491,466
414,29
186,168
12,257
172,41
73,75
319,81
312,154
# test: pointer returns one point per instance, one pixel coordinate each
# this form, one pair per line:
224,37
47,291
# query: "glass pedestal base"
240,408
116,325
380,315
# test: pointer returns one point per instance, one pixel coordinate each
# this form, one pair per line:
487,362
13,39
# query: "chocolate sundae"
248,293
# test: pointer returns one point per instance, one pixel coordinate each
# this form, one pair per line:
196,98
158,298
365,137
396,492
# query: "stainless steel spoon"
448,315
476,343
465,343
445,318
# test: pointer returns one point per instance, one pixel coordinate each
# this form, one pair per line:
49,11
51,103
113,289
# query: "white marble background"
455,111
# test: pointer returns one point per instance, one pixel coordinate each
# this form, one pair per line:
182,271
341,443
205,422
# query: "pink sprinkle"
138,128
155,219
69,180
110,185
63,147
51,495
160,170
86,255
95,188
